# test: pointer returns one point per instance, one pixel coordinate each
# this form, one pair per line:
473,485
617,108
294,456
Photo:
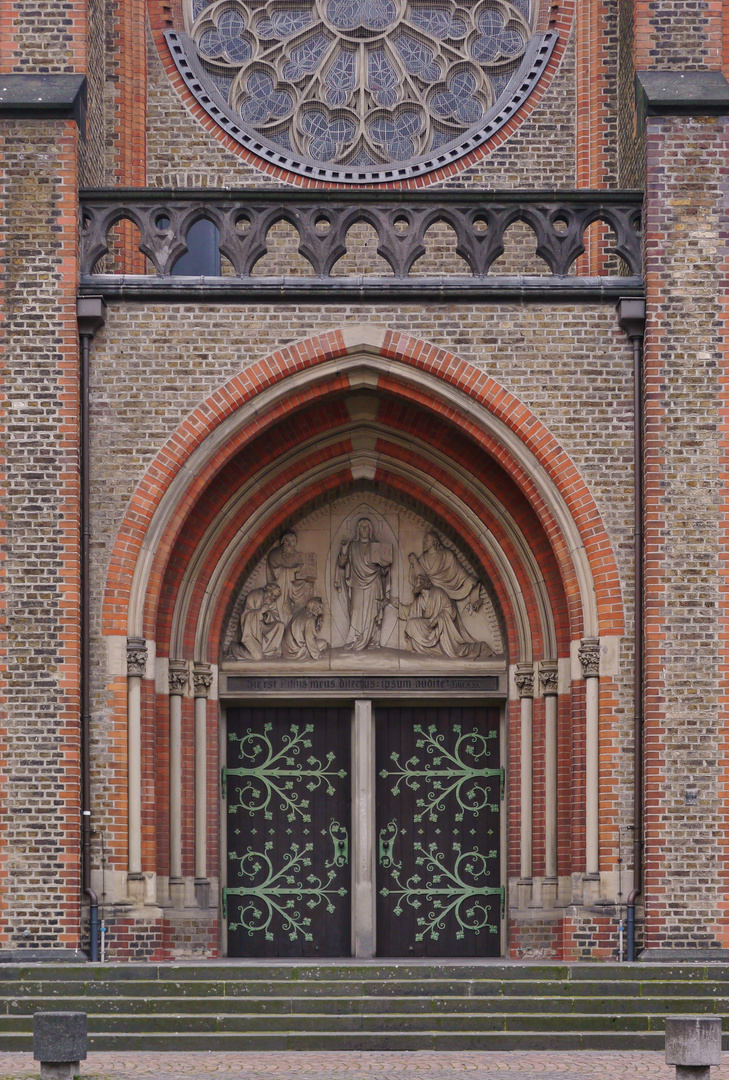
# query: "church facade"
364,543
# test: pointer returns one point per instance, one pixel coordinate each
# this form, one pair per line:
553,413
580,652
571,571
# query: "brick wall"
686,535
39,856
92,151
673,35
631,143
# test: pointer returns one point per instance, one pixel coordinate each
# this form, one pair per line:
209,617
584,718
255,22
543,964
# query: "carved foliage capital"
137,656
177,676
548,677
524,679
202,680
589,654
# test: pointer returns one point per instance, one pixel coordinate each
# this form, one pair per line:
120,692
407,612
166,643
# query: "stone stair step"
379,1005
437,1006
335,1040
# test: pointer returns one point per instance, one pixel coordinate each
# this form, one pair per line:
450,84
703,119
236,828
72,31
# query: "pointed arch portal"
450,556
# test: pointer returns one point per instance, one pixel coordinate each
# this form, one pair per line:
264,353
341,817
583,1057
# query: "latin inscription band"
360,684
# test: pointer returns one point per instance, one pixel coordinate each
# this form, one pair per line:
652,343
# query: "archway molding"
350,359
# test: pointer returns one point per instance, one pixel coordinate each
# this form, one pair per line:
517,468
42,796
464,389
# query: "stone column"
550,690
136,669
525,685
202,679
589,654
177,681
363,831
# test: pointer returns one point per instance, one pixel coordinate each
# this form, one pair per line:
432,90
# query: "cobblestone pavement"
468,1065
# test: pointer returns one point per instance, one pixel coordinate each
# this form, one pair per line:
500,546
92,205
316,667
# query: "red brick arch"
402,354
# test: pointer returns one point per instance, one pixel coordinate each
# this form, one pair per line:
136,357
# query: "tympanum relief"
367,584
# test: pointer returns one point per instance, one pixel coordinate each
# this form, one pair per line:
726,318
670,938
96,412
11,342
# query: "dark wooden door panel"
287,787
438,800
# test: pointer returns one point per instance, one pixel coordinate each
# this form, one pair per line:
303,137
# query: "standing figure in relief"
261,630
363,572
285,567
446,572
432,624
300,641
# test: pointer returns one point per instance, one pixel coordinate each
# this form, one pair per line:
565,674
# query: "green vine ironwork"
443,890
448,773
276,773
285,891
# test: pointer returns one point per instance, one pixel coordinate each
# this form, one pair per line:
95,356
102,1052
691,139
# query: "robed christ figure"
363,576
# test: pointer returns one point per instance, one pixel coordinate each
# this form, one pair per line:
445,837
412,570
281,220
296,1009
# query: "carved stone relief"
363,584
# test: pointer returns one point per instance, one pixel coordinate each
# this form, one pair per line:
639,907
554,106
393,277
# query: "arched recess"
361,409
392,364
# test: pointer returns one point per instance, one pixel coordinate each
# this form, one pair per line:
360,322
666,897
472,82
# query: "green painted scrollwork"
340,839
447,772
284,892
270,774
388,836
440,891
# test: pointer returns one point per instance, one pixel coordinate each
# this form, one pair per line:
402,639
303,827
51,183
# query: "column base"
59,1070
202,893
177,893
590,889
136,888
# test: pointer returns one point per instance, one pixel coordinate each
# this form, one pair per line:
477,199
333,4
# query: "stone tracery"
369,83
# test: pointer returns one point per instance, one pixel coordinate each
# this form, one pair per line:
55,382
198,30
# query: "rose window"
353,88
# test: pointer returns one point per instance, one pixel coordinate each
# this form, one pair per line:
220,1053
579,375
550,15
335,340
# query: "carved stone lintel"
202,680
524,679
589,654
137,656
177,676
548,677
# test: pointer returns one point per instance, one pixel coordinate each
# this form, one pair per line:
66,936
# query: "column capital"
202,680
548,677
589,656
524,679
137,653
177,676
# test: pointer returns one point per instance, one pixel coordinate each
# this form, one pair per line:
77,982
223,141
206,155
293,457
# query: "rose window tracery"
358,83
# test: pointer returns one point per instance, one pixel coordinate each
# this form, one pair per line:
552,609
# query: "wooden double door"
435,803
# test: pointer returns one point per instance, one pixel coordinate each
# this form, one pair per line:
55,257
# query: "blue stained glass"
283,139
198,7
438,21
495,38
459,101
282,24
341,78
396,134
231,26
264,101
440,138
222,83
305,57
522,6
328,137
371,14
418,58
382,79
362,159
499,83
210,43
